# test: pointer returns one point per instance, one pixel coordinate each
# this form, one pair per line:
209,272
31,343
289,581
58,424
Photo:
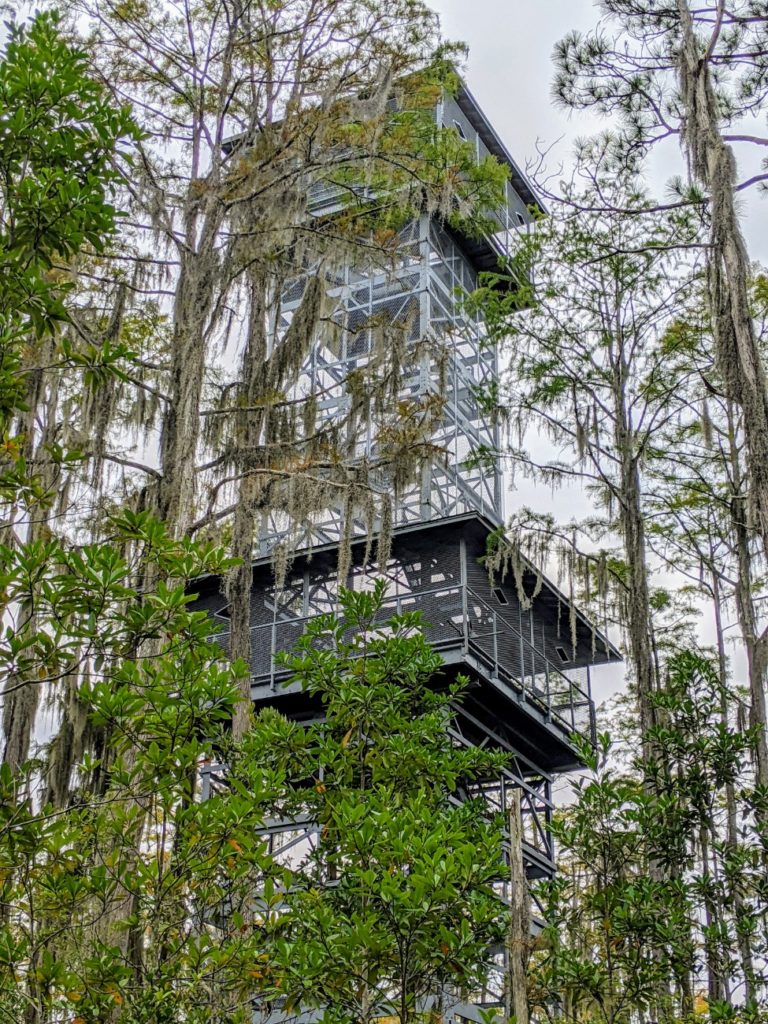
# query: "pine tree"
589,371
691,74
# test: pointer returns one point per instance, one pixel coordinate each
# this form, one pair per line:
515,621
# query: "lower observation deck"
472,638
529,695
523,672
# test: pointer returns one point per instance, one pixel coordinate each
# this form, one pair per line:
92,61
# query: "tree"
133,853
60,134
230,269
593,369
394,907
692,73
617,935
394,903
698,519
124,895
613,362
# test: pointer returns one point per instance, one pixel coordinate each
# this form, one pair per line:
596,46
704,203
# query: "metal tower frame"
451,360
530,694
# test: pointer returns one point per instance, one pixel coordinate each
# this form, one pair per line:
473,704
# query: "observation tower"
529,669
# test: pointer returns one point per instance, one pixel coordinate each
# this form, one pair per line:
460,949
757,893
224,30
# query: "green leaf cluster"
397,895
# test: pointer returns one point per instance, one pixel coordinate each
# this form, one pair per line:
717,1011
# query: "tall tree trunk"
755,641
638,596
249,428
713,164
716,980
638,602
740,911
643,654
21,701
194,301
519,934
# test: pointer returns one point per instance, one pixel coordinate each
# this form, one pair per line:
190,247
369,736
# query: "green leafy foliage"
60,135
636,900
140,902
134,858
59,130
396,899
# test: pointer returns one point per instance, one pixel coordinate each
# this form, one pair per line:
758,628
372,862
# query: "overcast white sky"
510,67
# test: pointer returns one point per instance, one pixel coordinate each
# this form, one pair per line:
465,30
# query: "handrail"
511,628
575,696
388,603
561,696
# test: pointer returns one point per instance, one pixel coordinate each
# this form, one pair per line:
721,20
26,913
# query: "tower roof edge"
477,118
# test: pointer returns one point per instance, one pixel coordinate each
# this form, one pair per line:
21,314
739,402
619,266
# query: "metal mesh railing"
517,661
454,617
